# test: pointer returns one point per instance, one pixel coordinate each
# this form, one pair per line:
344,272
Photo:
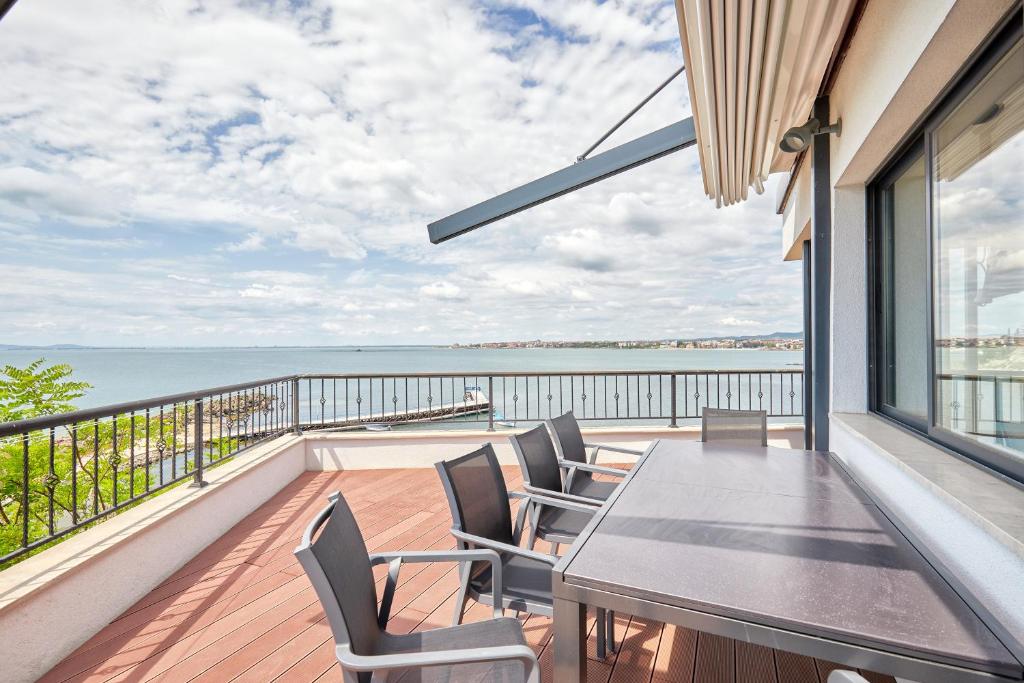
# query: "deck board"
242,609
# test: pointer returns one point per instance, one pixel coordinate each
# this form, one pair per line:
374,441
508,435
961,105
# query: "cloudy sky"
193,172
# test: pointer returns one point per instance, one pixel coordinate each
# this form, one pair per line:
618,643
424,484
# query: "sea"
128,374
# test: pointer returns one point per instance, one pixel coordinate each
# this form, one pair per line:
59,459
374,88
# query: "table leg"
570,641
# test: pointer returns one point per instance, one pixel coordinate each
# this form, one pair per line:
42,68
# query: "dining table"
777,547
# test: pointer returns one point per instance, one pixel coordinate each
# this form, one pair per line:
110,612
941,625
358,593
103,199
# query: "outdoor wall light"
798,138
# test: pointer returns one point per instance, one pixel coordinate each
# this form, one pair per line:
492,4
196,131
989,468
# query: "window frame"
921,142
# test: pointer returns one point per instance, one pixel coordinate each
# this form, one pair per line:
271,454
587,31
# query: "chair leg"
531,538
554,548
611,631
601,639
460,597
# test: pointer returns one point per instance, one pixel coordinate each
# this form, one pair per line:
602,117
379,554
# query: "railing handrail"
548,373
58,420
1012,376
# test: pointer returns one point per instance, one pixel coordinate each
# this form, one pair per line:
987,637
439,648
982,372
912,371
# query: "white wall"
849,366
903,55
361,450
53,602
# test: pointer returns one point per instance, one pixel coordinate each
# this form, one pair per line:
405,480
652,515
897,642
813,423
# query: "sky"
193,173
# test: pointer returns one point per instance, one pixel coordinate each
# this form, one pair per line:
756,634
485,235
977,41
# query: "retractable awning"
754,69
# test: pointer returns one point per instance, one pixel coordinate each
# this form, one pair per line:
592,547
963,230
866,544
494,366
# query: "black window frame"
920,142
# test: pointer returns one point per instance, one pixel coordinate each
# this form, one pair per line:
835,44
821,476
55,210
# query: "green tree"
37,390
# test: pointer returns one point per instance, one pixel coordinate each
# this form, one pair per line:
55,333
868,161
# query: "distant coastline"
777,341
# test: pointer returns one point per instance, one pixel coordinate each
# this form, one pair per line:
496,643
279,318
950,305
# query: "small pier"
474,402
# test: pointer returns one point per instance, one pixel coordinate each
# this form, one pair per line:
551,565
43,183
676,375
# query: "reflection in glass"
978,192
905,277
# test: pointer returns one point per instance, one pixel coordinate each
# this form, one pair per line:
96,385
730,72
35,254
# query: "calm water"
131,374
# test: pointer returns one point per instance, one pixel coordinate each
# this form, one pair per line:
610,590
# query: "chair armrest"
558,499
504,547
615,449
523,653
413,556
596,469
396,559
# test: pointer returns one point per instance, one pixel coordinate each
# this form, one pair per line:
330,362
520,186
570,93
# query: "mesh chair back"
568,437
537,458
339,569
719,424
478,497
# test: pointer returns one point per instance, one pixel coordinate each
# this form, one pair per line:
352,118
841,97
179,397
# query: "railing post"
673,423
296,427
24,490
198,481
490,404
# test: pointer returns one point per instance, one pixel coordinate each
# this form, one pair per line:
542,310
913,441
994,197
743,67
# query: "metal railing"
346,400
73,469
67,471
988,405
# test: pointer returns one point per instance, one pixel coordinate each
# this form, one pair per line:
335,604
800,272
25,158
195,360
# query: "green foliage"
36,390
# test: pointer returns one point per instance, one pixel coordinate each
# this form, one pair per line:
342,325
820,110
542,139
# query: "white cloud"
441,290
334,240
736,322
252,242
290,185
631,213
581,295
584,248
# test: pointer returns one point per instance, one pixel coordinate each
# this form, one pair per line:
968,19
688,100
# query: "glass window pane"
979,261
905,284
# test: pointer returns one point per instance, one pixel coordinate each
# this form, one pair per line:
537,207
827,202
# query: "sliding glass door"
978,219
948,268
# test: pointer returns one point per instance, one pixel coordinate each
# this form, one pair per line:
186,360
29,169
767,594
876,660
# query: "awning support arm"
630,114
671,138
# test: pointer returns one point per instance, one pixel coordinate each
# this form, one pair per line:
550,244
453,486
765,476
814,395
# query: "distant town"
780,341
991,342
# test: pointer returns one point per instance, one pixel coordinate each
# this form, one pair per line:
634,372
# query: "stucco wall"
53,602
360,450
849,366
904,54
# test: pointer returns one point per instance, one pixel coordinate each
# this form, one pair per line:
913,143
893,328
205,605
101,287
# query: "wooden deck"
243,609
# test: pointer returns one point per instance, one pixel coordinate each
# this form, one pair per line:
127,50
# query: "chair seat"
589,487
488,633
522,581
560,525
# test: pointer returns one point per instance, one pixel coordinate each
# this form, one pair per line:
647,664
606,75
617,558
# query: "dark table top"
780,538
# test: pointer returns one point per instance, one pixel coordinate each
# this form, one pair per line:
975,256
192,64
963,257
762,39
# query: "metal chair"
481,518
719,424
340,570
572,455
542,475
